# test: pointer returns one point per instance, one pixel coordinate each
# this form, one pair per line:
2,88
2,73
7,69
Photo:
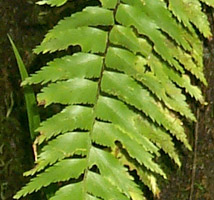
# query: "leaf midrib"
96,103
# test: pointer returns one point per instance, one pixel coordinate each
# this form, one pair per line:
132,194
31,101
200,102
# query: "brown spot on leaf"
41,103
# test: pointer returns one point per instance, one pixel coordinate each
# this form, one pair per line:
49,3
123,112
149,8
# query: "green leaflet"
165,74
125,37
89,197
208,2
108,3
90,16
73,91
68,191
77,36
60,148
149,180
73,190
98,190
117,175
112,134
71,118
186,60
79,65
97,186
52,2
159,137
190,12
72,168
74,31
124,96
147,177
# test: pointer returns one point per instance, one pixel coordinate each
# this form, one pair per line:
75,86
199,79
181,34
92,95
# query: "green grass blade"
32,112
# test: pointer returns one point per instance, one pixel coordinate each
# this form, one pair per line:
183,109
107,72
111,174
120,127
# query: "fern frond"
190,12
123,93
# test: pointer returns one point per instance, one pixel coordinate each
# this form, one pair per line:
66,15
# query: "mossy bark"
19,18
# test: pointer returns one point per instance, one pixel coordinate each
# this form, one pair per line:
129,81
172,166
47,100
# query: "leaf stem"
97,98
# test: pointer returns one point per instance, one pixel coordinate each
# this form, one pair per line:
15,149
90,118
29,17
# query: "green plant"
124,96
30,99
